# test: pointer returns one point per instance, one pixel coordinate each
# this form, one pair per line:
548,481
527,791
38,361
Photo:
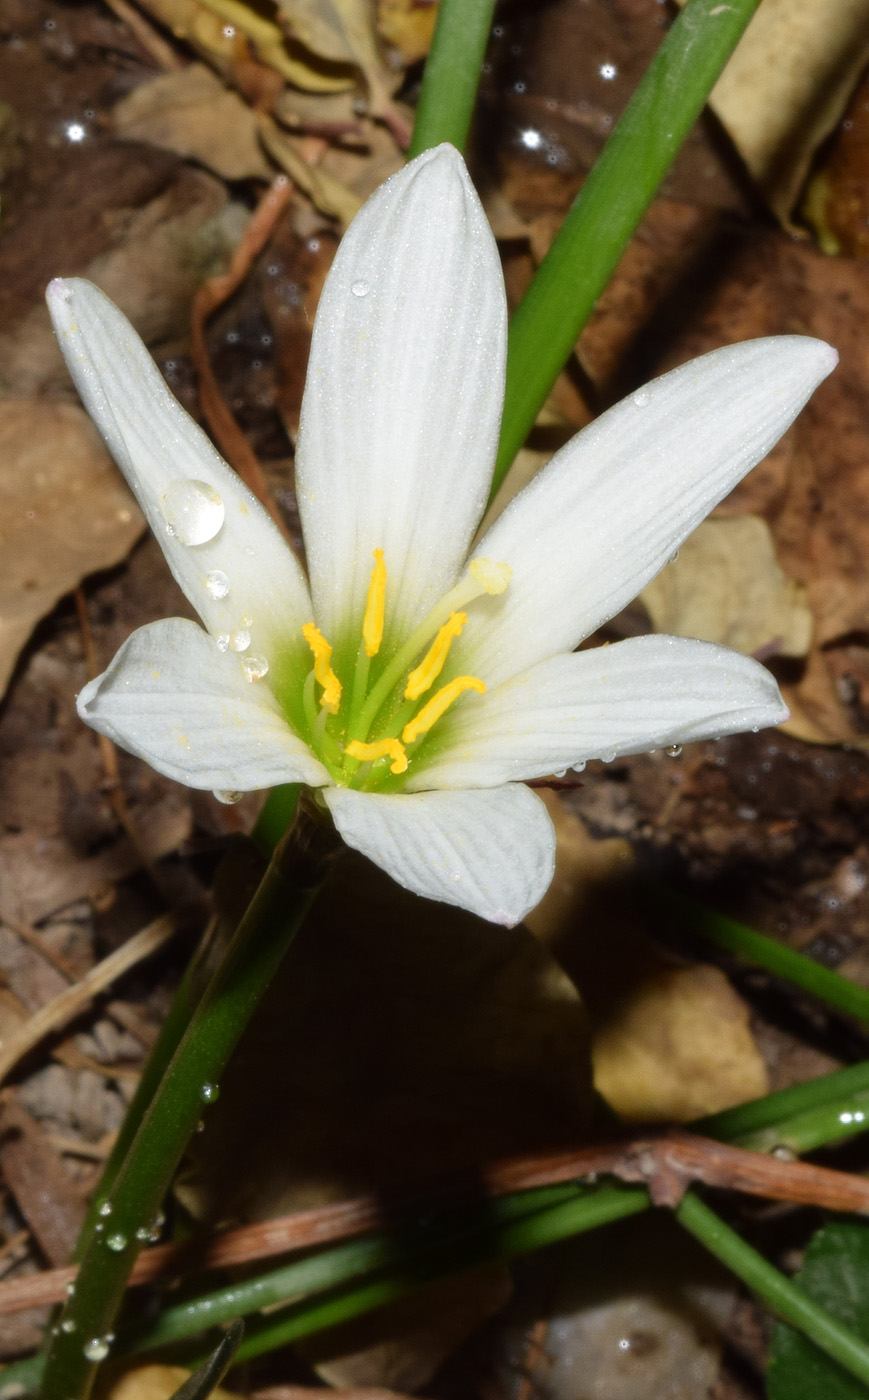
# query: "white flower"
419,678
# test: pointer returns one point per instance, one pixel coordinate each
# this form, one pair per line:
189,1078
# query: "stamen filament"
375,607
428,670
440,701
482,576
323,673
383,748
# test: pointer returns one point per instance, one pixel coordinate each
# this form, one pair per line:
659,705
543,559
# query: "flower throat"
363,734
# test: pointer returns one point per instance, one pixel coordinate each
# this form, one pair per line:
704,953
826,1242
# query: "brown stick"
666,1162
213,293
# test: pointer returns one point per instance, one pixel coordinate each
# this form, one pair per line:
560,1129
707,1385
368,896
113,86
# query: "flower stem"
452,72
745,942
784,1298
803,1117
264,934
609,207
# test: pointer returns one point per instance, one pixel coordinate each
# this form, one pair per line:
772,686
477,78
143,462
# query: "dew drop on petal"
673,751
255,667
640,398
579,767
222,641
97,1349
560,773
608,757
193,511
228,796
216,584
360,288
240,639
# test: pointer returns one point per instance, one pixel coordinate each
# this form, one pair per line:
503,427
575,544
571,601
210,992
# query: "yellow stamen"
323,673
432,711
432,664
372,623
383,748
492,578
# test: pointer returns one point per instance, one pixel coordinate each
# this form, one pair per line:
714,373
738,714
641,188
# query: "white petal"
646,693
188,709
491,852
245,569
607,512
403,397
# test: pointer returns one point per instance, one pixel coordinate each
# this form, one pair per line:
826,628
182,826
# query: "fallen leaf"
678,1045
786,86
152,1382
342,31
191,113
36,1178
726,585
408,25
669,1043
65,513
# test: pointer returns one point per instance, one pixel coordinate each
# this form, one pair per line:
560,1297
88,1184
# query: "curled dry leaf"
342,31
192,113
787,85
726,586
65,513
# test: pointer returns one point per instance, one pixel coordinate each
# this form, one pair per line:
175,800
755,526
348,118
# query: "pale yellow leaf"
727,586
787,85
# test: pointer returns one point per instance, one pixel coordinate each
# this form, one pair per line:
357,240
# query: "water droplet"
67,1325
70,1289
216,584
97,1349
673,751
784,1154
143,1234
255,667
240,639
608,71
579,767
222,641
116,1243
193,511
209,1093
227,796
608,757
560,773
640,398
360,288
105,1208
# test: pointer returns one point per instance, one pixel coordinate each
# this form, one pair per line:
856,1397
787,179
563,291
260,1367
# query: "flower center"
363,730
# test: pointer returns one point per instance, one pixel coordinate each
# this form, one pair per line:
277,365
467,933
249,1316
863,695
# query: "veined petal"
491,852
403,398
601,519
171,697
645,693
237,565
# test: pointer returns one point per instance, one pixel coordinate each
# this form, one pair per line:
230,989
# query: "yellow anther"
492,578
372,623
382,748
323,673
432,711
428,670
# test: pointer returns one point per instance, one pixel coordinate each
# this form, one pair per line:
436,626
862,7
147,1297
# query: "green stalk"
396,1251
588,1212
263,936
452,72
783,962
609,207
802,1118
784,1298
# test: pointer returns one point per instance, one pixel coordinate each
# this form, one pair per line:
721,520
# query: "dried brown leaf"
191,113
65,513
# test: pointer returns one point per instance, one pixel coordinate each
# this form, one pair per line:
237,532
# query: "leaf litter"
475,1045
